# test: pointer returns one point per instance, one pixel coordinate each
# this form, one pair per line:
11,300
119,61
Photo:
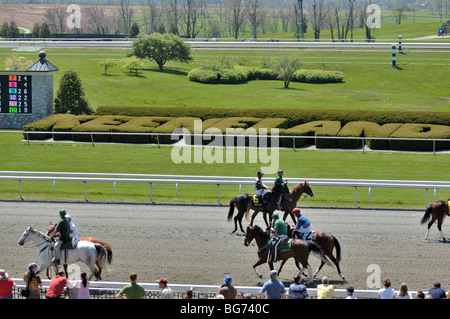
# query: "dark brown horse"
327,243
94,240
244,203
300,251
436,211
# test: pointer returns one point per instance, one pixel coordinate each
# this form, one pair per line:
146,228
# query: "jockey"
73,230
303,229
261,189
63,228
279,232
281,185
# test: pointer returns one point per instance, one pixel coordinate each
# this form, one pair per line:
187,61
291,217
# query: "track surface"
194,244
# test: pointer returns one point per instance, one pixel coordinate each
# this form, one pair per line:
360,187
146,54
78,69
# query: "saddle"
257,200
284,247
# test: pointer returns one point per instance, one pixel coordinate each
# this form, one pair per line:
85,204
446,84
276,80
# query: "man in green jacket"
63,228
279,231
280,185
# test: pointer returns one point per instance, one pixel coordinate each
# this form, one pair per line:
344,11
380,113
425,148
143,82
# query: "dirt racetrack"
193,244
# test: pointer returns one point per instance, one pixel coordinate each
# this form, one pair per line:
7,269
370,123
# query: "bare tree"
254,16
318,14
398,10
238,11
191,14
153,15
173,16
125,15
56,19
98,20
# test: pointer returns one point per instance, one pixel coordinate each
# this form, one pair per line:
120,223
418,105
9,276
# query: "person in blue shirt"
297,290
303,229
273,288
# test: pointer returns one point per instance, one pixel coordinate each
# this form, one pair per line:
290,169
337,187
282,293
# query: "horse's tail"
102,256
231,211
337,246
426,216
317,251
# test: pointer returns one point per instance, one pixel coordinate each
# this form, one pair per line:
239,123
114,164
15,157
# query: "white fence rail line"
116,286
151,179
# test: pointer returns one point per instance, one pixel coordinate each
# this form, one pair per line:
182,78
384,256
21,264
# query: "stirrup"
56,261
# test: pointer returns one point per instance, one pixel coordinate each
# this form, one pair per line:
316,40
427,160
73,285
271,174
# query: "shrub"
315,128
232,76
100,124
138,125
203,76
366,129
318,76
423,131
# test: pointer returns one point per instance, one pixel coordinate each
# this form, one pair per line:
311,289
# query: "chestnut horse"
327,243
437,211
300,250
244,203
94,240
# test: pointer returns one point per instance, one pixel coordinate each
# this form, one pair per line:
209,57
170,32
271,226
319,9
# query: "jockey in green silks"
63,228
280,185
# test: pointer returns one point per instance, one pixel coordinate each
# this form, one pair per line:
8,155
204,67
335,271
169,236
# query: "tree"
36,30
16,63
44,31
134,31
133,63
70,97
107,64
161,48
286,68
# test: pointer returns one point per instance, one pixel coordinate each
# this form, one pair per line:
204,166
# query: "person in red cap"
303,229
166,292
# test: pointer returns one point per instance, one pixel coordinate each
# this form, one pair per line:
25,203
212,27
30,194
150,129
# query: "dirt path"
194,244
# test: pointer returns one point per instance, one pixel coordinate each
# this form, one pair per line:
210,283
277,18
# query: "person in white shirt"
350,291
386,292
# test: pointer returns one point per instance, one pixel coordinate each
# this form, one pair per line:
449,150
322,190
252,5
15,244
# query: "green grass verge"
149,159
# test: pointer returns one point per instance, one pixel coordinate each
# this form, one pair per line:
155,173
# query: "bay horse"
300,251
436,211
327,243
107,246
85,251
244,203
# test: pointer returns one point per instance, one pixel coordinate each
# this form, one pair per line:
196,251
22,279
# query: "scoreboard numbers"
15,94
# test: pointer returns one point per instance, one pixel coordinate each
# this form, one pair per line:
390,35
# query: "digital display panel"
15,94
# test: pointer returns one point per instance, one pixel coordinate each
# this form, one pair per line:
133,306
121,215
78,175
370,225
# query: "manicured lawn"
370,81
146,159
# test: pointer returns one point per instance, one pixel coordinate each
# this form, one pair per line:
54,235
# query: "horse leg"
281,266
259,262
440,229
429,226
253,217
237,218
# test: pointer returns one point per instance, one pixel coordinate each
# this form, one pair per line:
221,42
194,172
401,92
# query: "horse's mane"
260,231
40,233
298,186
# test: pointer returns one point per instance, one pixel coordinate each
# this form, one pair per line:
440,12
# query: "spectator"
166,292
350,291
403,292
297,290
240,295
420,295
83,287
133,290
273,287
386,292
57,286
437,292
6,285
227,289
33,282
325,290
189,294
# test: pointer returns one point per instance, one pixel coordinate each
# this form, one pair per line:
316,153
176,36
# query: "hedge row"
243,125
292,115
240,74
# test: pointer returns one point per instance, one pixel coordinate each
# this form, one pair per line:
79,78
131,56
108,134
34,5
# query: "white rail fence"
85,178
200,291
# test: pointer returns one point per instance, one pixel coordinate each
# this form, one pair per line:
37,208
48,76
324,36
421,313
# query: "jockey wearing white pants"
303,228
